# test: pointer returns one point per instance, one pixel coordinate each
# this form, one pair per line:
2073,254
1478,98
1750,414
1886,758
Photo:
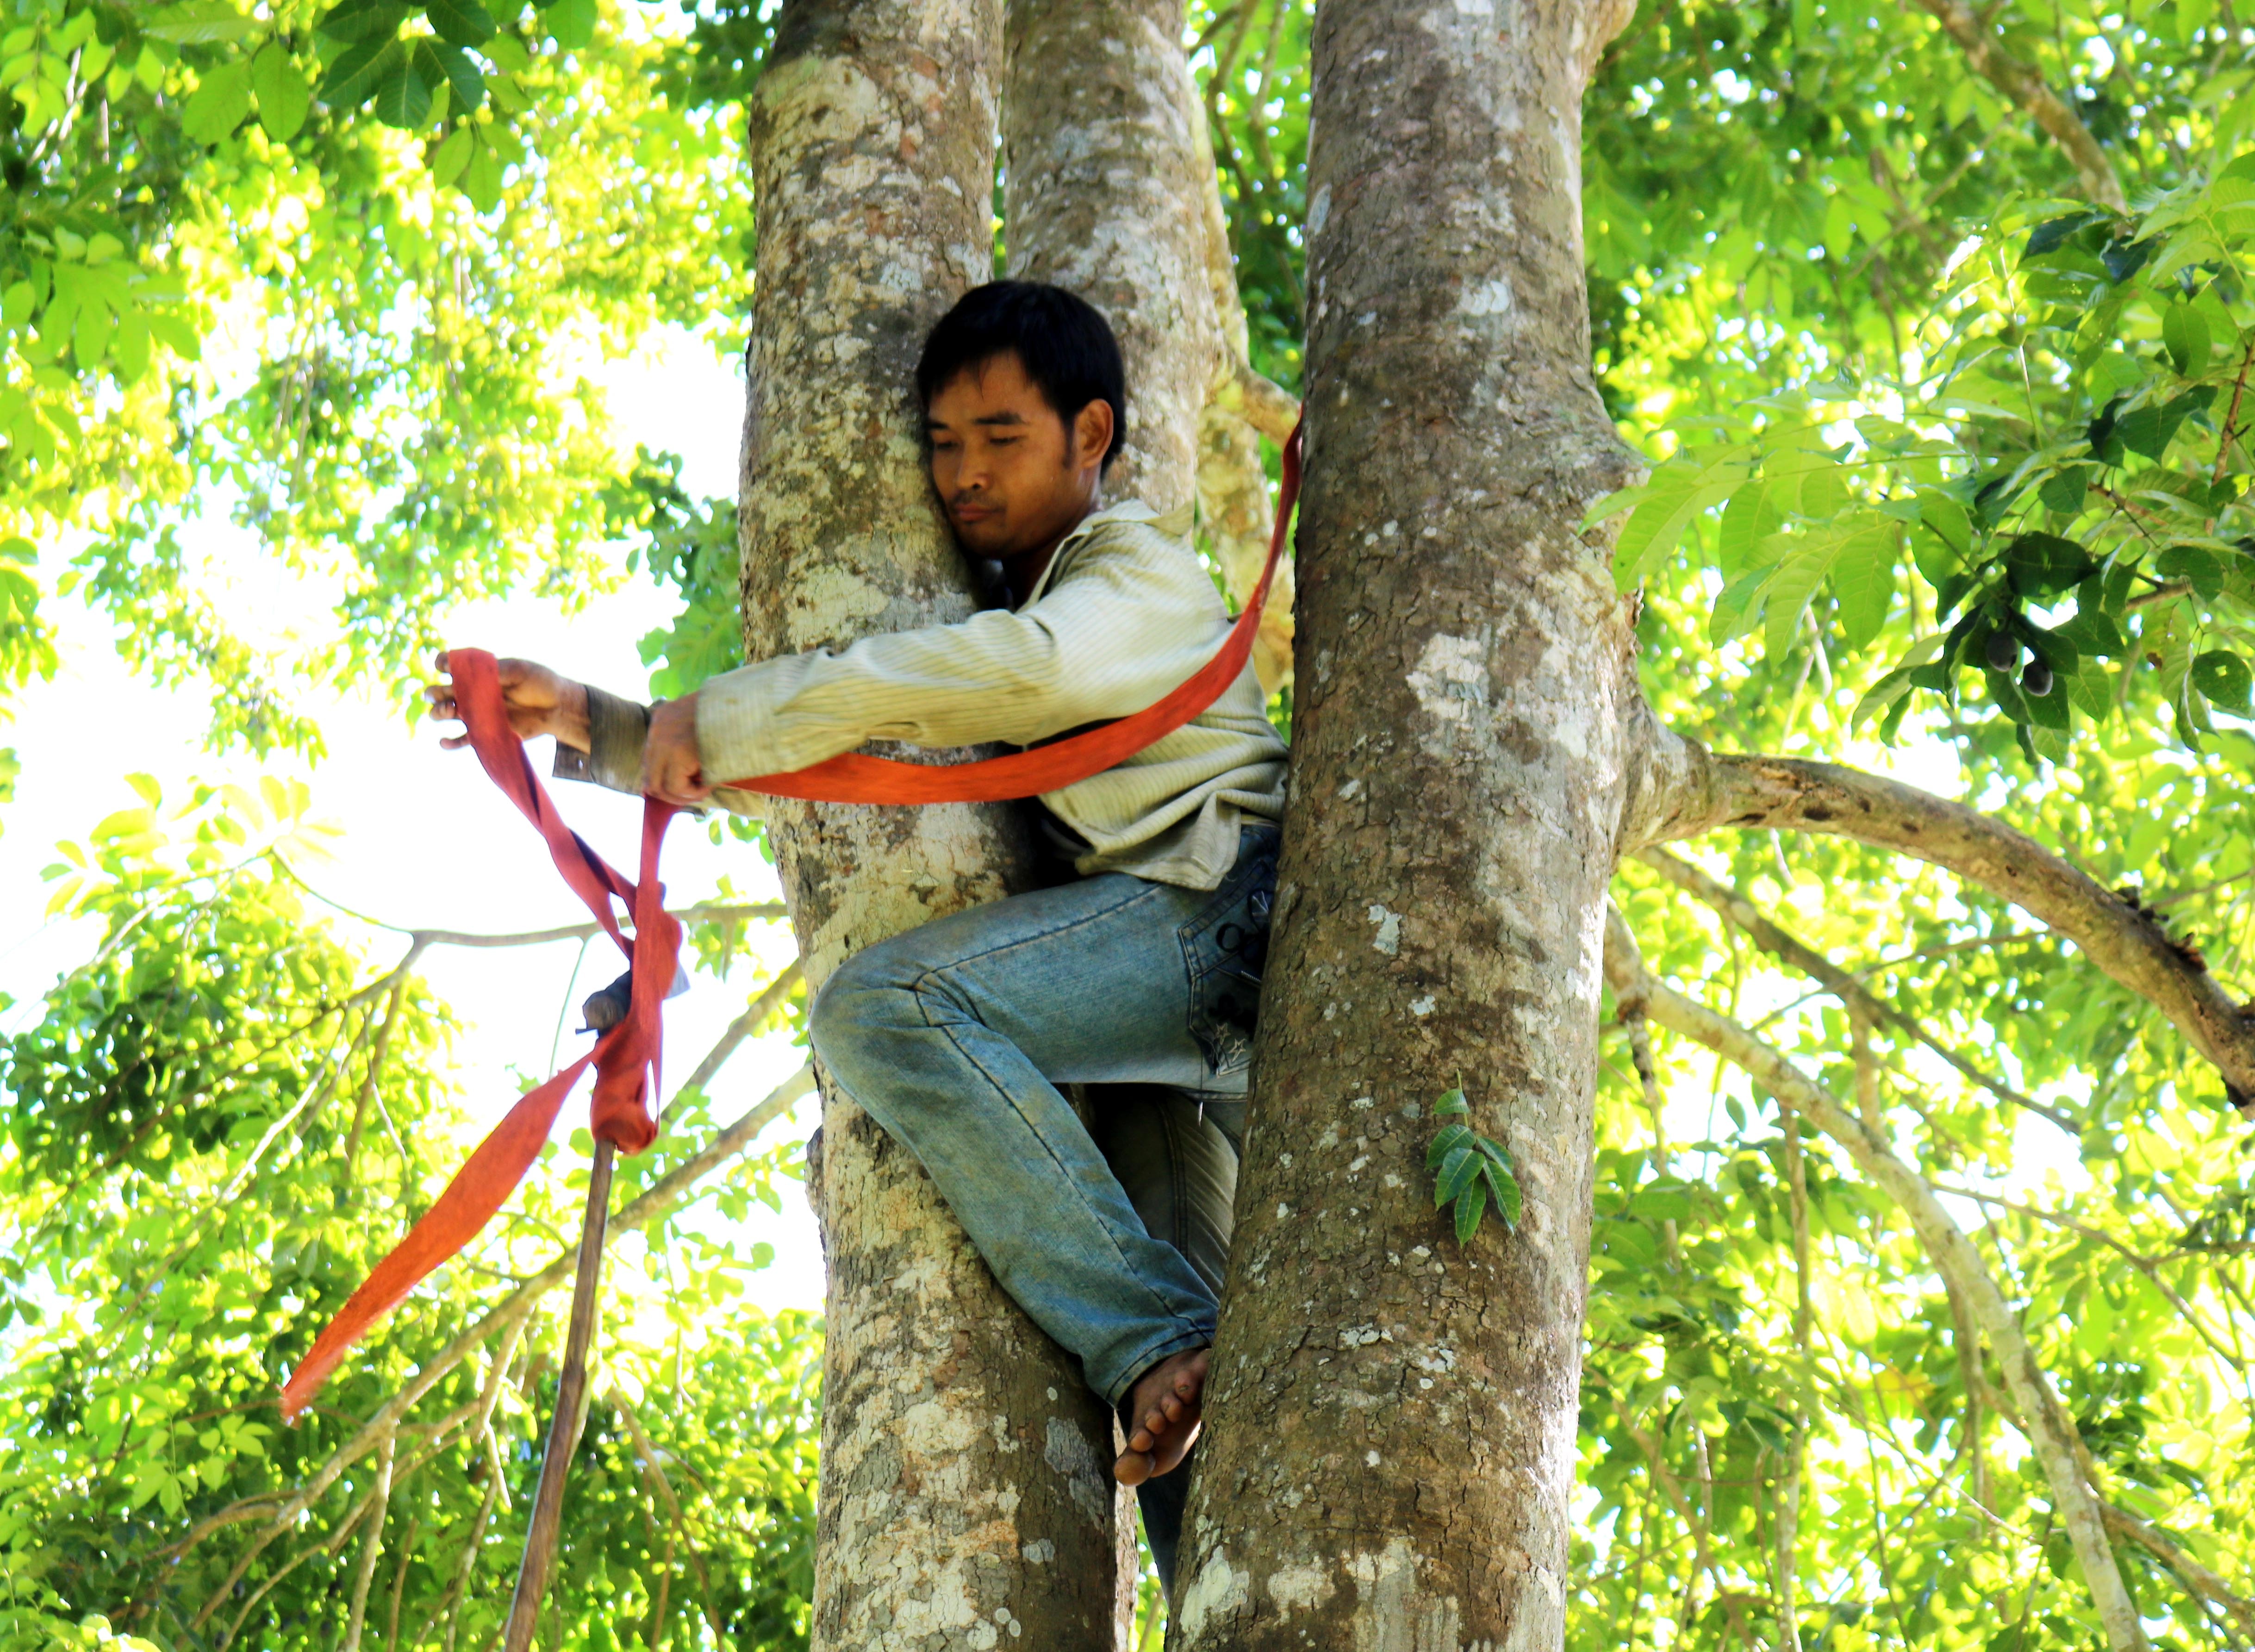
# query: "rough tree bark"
1393,1418
1105,142
965,1501
1100,136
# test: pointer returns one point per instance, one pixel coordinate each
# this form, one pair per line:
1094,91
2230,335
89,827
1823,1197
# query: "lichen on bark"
963,1502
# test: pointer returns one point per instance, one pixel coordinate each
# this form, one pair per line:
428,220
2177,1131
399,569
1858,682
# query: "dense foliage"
1951,475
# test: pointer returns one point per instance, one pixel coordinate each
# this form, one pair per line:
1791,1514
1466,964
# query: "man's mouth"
973,511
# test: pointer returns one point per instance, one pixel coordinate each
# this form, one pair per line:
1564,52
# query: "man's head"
1024,394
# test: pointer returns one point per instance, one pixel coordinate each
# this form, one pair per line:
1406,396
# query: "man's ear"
1091,434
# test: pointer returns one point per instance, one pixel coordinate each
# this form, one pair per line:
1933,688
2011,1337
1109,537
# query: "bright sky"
427,840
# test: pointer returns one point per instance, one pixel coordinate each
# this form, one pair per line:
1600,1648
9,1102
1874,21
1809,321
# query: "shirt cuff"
615,731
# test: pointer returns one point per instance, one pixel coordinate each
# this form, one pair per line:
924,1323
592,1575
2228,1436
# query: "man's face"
1013,476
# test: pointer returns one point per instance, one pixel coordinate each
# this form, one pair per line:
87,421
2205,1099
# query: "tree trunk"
1099,140
1100,133
1391,1448
966,1500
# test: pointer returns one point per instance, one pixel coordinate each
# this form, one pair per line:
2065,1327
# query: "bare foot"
1166,1403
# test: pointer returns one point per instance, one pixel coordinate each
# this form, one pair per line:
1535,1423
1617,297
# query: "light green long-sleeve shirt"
1122,615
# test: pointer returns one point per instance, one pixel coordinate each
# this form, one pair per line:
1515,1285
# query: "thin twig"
755,1017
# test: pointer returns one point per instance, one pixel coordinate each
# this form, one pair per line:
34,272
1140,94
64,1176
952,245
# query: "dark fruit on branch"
2037,679
2003,653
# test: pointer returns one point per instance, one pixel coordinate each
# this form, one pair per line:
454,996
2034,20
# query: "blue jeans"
956,1035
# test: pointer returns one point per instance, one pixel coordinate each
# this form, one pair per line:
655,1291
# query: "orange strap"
626,1058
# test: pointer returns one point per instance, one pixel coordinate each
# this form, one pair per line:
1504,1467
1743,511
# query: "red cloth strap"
626,1058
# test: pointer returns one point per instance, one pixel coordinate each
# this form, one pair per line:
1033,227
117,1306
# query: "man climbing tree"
1955,479
1142,969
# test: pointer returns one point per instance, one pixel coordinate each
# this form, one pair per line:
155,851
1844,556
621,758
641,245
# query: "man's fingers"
452,742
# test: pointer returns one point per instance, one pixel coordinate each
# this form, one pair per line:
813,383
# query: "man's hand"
539,702
672,770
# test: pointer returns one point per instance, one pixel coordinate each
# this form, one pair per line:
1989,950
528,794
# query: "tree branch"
2196,1577
1853,994
702,913
1258,400
371,1546
1679,790
744,1026
2050,1433
2025,86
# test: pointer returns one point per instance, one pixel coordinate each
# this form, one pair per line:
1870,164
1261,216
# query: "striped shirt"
1123,614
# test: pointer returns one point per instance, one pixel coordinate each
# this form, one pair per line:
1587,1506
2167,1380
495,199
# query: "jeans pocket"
1225,949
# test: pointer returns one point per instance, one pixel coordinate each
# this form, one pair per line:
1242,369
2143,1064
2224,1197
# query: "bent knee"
864,1000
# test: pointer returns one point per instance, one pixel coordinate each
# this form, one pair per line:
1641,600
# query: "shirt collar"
1125,510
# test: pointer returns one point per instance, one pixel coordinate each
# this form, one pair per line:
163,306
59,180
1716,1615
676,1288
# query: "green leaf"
1797,578
1493,1149
452,155
2091,632
1508,1197
1452,1101
218,104
1678,491
461,22
572,24
2184,334
1947,545
2193,565
508,54
2224,680
1897,683
364,20
1456,1173
1470,1204
129,348
174,333
2044,564
198,23
2064,489
402,98
1863,578
360,69
2149,430
1446,1142
1733,614
482,179
284,95
2046,237
90,334
2088,690
460,74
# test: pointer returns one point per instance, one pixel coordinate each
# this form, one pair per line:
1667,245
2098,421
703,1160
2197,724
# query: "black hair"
1061,340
